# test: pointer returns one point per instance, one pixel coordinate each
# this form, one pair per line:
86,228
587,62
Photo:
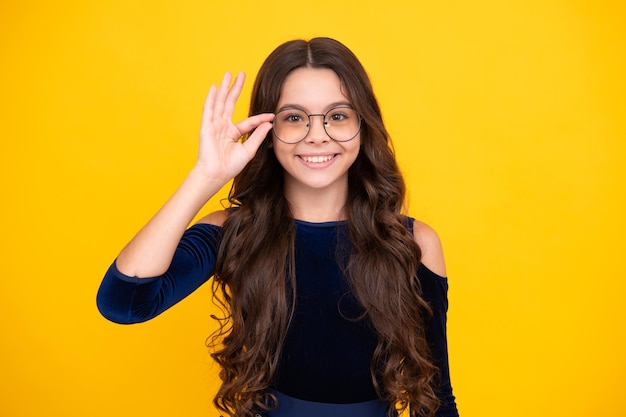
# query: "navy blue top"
326,355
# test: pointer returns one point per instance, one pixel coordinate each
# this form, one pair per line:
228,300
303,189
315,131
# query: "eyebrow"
299,107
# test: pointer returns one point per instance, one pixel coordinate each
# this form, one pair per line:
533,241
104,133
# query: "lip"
317,161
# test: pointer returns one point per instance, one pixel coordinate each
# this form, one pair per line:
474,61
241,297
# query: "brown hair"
254,274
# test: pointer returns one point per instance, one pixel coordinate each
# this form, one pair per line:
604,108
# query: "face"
317,162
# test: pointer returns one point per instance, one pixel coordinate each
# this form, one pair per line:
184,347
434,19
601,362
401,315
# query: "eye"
292,117
340,114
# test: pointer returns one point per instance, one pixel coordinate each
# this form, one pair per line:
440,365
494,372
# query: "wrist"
205,180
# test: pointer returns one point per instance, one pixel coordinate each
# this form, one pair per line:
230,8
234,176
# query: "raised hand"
222,155
220,158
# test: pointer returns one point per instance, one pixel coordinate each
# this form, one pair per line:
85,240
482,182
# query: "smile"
317,159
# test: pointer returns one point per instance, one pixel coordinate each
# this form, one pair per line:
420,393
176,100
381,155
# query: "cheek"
354,147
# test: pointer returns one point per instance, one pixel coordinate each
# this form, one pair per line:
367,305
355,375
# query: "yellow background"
508,120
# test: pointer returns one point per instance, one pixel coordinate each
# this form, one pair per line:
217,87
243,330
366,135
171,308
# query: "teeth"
317,159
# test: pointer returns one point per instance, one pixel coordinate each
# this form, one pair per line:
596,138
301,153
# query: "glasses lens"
291,125
342,123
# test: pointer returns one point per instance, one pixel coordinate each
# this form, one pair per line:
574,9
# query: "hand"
221,154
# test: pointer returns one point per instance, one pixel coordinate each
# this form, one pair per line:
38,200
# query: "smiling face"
317,162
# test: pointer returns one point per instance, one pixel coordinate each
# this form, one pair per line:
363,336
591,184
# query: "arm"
221,157
125,300
165,262
434,284
432,251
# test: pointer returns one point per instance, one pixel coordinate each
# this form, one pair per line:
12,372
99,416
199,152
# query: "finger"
209,103
222,93
252,144
233,94
246,126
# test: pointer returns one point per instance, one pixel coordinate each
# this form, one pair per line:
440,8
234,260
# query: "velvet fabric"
327,352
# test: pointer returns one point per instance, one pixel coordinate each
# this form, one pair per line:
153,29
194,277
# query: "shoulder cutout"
432,251
217,218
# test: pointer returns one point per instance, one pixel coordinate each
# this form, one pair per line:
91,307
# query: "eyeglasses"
341,124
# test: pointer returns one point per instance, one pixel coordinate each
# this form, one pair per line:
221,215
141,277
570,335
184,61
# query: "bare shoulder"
216,218
430,244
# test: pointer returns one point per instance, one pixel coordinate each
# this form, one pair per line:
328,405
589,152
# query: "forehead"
312,88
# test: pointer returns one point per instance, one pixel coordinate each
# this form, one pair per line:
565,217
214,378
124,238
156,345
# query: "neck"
317,205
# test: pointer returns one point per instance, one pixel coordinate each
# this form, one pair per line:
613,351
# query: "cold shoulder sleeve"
125,300
435,292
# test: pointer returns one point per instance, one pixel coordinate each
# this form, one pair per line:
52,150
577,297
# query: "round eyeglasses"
341,124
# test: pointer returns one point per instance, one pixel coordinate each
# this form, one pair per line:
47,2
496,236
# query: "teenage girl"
335,301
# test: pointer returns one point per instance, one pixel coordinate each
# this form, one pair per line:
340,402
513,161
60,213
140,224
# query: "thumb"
255,139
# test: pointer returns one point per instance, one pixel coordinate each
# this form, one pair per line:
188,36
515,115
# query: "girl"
335,301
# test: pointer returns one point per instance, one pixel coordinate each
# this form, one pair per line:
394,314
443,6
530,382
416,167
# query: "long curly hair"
255,276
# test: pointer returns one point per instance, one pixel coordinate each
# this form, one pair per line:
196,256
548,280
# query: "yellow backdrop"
508,120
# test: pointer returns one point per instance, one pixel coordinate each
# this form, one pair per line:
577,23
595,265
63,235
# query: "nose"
317,131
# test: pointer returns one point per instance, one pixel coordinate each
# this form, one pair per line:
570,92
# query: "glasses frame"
324,124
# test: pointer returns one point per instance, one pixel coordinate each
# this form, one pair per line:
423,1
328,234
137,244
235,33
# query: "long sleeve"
125,300
435,289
